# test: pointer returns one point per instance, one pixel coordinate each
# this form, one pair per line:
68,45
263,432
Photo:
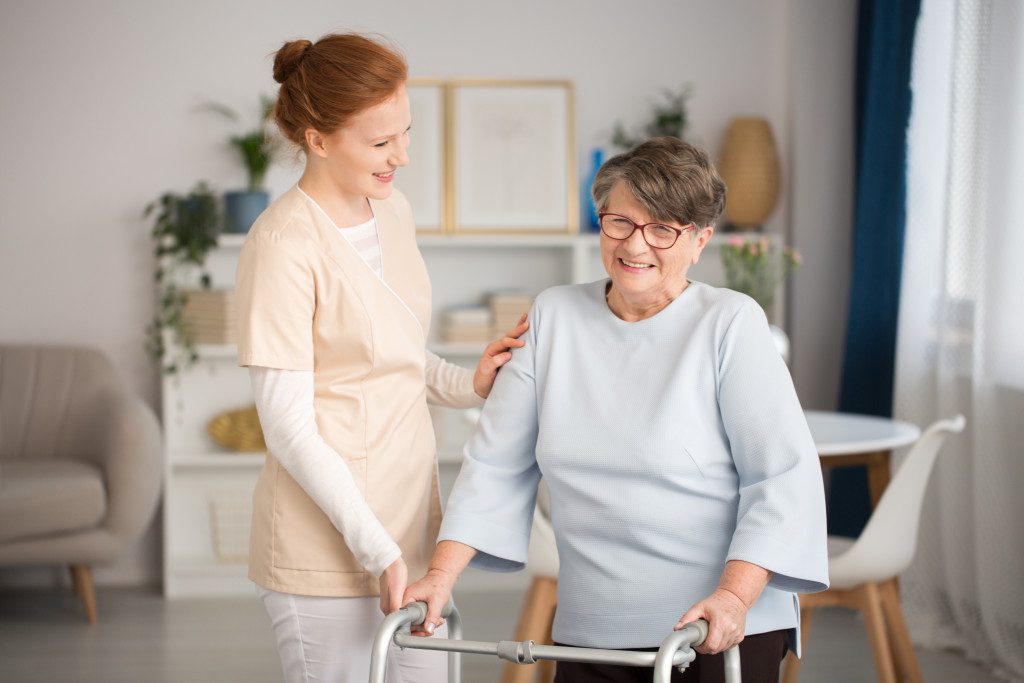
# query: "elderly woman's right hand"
435,589
726,615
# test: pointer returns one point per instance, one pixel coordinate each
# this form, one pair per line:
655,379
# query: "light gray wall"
821,76
97,117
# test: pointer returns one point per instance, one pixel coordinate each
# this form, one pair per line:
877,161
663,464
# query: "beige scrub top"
307,300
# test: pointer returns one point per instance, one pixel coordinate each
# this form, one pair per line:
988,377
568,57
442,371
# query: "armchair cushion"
48,497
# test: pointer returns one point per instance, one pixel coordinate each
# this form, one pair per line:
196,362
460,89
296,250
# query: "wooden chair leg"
791,664
534,624
899,637
74,582
81,577
874,622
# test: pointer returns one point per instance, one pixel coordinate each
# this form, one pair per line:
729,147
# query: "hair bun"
289,57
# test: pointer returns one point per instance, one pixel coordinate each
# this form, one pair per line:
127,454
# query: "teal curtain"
885,39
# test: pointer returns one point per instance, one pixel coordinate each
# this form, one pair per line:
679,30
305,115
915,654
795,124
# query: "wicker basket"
230,522
238,430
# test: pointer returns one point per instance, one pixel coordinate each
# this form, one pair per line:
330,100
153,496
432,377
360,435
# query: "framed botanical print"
511,157
423,181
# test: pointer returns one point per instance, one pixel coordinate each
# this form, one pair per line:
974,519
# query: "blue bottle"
593,225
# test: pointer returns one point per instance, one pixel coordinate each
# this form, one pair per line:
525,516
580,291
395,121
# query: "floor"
142,637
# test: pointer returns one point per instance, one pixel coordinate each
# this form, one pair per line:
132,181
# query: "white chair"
863,571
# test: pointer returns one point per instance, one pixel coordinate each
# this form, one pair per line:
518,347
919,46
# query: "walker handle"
401,620
690,636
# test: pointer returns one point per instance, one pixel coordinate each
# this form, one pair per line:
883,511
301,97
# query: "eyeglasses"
656,235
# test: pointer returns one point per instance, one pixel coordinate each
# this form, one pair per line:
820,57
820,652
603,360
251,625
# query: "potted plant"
185,228
668,117
257,149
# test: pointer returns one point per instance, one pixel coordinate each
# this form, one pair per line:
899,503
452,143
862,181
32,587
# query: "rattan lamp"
749,165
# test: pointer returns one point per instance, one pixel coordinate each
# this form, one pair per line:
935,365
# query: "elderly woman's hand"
495,355
726,616
435,589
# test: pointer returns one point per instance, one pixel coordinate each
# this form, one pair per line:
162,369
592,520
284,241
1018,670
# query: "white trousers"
329,639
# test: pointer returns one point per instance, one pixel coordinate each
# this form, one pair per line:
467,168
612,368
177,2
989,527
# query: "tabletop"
847,433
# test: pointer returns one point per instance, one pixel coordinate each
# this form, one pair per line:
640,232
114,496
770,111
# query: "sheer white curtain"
961,329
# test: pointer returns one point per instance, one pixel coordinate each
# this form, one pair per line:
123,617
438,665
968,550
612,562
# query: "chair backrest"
50,400
888,542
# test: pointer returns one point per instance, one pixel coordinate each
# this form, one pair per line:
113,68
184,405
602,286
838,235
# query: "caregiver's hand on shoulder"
495,355
435,589
726,616
392,586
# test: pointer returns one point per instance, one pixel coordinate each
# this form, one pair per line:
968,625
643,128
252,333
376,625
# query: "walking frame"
676,649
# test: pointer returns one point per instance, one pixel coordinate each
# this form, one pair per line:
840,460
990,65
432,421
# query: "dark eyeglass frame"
641,228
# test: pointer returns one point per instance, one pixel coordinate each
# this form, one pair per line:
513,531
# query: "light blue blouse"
670,446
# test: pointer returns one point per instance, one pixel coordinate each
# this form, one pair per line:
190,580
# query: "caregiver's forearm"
744,580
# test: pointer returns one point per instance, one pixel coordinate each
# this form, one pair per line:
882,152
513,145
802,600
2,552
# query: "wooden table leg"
877,464
879,474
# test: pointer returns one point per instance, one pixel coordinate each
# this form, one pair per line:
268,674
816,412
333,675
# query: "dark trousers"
760,657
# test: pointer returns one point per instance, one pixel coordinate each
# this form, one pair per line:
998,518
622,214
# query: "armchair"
80,462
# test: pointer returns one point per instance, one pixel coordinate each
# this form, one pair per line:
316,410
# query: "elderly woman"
684,482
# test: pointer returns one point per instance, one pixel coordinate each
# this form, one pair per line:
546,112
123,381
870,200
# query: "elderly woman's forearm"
451,557
745,580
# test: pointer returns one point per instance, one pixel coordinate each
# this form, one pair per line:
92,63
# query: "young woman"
334,308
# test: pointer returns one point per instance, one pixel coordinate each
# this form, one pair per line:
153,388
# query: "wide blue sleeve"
780,523
491,505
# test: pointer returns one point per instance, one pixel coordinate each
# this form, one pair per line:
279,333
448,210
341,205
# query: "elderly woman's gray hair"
672,179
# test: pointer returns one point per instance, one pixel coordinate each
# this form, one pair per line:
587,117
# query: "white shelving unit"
199,476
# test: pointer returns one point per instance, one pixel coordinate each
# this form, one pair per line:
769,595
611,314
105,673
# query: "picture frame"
511,159
423,181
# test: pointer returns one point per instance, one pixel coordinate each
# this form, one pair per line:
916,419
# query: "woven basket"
238,430
230,523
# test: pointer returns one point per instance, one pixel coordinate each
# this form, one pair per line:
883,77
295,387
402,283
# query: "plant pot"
241,209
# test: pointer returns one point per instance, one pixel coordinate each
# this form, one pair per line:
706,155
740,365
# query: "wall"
821,71
98,116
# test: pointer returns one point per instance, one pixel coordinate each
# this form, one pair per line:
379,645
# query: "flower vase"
781,341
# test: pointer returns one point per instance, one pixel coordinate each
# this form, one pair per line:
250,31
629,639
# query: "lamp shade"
749,165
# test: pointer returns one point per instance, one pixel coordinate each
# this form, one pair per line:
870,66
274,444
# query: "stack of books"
506,308
209,315
466,324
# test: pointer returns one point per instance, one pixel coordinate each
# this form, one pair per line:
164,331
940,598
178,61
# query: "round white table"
845,439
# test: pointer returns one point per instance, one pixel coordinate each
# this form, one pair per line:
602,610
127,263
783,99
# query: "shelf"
221,460
457,349
463,267
217,351
526,241
200,566
230,351
230,240
586,240
449,456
